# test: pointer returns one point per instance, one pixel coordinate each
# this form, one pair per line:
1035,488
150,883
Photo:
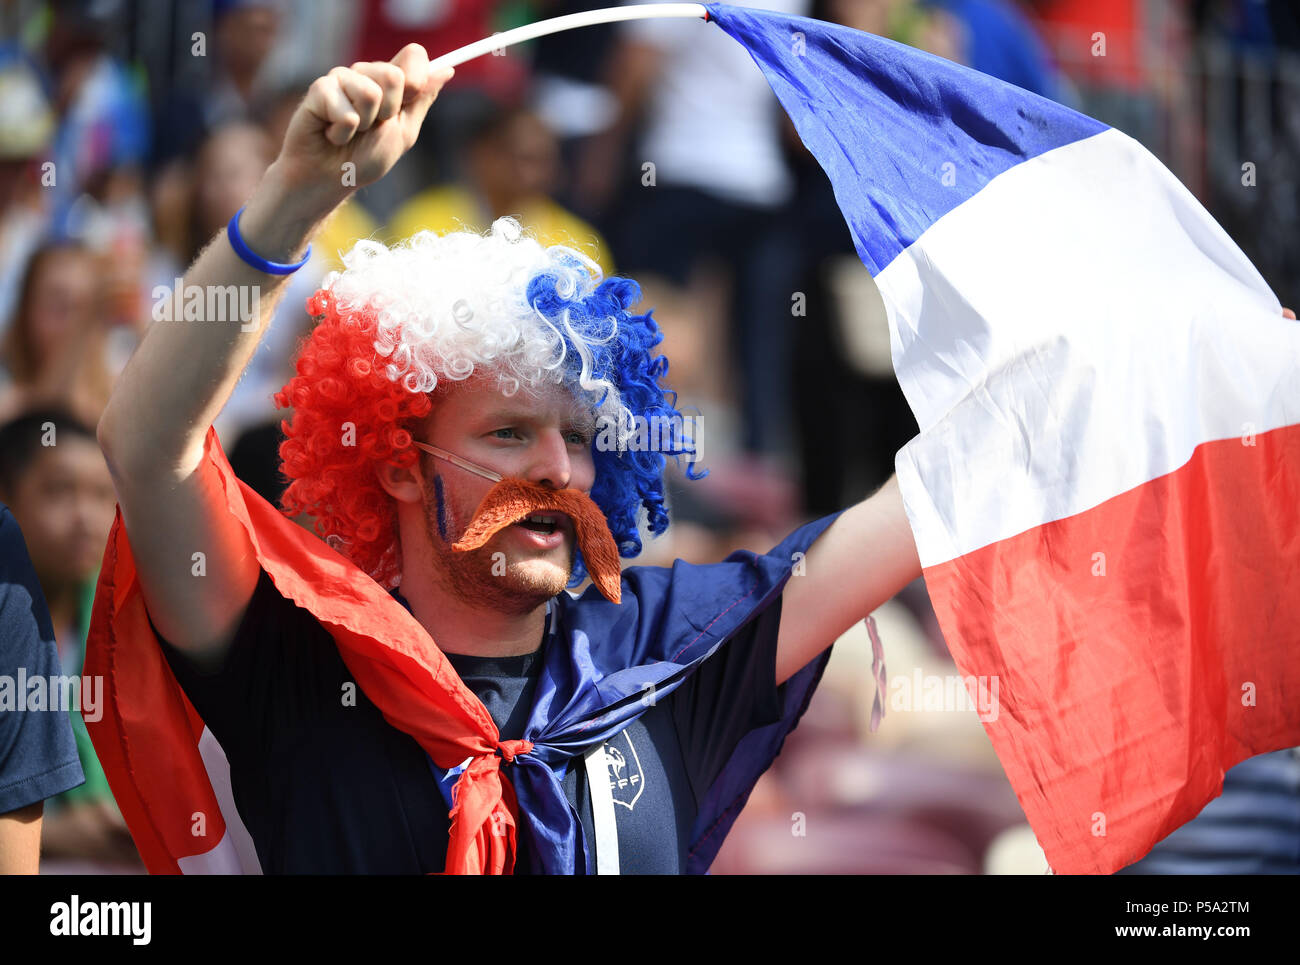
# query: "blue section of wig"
616,348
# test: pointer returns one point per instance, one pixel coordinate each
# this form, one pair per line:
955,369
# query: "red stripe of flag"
1143,647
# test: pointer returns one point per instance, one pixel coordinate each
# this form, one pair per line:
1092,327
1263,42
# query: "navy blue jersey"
325,785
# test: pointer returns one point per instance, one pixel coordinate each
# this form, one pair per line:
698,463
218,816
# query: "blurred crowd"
130,133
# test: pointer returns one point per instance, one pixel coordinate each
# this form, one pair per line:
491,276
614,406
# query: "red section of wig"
347,417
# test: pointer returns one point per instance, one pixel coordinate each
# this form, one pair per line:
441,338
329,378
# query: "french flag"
1105,491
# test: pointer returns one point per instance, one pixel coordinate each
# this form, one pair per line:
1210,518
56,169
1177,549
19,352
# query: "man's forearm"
863,558
185,370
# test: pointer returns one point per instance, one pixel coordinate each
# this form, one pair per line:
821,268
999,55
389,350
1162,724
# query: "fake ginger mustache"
512,501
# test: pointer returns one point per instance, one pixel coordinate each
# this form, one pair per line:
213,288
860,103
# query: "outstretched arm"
153,430
865,557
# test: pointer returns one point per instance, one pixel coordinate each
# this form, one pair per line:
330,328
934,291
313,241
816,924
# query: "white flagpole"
643,11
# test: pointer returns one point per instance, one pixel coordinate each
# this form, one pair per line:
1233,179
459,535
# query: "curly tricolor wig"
398,322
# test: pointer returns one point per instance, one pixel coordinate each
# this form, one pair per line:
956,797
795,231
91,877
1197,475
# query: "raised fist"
367,115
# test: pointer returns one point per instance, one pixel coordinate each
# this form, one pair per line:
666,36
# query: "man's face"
64,504
545,439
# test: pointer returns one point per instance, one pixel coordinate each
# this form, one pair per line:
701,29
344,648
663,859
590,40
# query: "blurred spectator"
103,132
26,131
905,21
708,120
441,26
228,165
994,36
93,185
314,37
55,481
511,164
55,349
567,89
706,181
851,415
38,754
1123,57
243,33
246,31
1249,58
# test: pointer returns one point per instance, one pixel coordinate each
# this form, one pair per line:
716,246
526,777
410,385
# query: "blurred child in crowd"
56,483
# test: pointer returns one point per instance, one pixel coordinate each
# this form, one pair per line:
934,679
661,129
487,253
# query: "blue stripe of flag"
884,120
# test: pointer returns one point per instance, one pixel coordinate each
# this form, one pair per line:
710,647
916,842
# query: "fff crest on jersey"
626,779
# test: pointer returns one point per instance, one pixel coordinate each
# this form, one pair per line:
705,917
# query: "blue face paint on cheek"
442,507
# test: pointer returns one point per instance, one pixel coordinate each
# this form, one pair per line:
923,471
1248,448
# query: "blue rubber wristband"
258,262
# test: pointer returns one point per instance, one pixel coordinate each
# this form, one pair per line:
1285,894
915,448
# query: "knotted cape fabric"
1104,488
167,777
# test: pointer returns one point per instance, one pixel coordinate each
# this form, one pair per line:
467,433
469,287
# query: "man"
391,441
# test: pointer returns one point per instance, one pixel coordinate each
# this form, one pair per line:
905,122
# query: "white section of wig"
451,305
